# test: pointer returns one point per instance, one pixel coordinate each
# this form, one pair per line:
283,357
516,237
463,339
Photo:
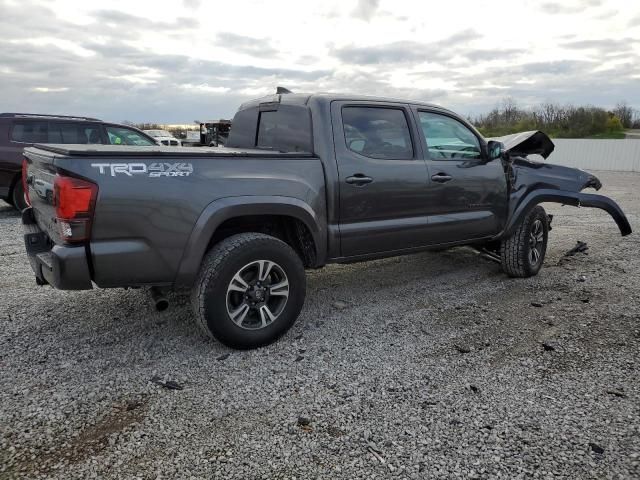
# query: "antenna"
280,90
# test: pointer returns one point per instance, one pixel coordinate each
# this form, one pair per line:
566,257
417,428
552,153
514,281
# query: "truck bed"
150,201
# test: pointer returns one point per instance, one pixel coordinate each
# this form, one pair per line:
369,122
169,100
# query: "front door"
467,195
382,178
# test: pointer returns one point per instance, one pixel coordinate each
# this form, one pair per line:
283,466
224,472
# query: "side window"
30,132
125,136
78,133
377,132
92,132
448,139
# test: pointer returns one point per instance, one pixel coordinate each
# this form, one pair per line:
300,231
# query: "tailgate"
40,176
56,225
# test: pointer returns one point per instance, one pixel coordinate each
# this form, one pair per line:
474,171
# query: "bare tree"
636,119
510,113
625,113
567,121
548,113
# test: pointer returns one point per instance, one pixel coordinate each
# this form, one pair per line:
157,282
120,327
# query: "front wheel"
522,254
250,290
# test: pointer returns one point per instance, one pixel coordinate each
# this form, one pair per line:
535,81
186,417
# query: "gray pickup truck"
304,180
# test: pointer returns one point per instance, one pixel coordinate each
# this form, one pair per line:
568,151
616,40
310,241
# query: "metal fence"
615,155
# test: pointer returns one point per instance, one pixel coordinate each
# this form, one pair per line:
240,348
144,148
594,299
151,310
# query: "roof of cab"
304,98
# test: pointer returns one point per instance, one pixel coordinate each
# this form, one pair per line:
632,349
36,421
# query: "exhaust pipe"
159,300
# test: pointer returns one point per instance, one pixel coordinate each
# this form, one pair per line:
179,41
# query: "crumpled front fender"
577,199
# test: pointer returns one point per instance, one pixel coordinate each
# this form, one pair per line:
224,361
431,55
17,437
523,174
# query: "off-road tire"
18,199
221,264
515,251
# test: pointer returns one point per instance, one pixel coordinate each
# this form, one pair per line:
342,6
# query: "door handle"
441,177
358,179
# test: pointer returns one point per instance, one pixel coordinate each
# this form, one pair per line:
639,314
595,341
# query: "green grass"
615,135
501,131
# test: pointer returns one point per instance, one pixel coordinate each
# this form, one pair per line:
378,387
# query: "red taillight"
74,200
25,187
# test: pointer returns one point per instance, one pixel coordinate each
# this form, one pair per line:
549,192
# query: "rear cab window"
286,130
283,128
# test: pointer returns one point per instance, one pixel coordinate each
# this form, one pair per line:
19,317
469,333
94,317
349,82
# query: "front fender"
223,209
576,199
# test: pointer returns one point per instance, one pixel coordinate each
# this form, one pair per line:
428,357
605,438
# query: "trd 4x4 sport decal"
154,170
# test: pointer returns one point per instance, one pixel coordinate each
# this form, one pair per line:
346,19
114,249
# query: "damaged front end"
532,182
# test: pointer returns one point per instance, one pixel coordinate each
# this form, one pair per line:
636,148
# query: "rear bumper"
63,267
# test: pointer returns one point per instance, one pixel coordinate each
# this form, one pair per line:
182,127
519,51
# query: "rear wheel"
250,290
522,254
18,198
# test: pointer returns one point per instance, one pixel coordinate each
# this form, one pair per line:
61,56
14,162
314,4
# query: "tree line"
560,121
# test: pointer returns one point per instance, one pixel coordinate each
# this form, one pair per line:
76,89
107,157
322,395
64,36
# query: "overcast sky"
180,60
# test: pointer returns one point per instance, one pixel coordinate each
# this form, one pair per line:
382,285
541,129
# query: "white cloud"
124,60
205,88
50,89
61,43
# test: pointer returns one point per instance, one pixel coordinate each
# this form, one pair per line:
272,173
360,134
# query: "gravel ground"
427,366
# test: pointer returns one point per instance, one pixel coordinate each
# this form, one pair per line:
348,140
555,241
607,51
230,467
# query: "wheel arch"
230,215
520,210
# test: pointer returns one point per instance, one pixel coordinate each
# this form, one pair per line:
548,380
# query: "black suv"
20,130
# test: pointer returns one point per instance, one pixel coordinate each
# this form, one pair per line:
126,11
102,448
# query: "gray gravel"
428,366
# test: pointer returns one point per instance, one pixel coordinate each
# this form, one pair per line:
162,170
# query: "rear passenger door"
382,178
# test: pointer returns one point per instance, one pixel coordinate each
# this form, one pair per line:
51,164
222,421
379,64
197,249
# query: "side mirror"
495,149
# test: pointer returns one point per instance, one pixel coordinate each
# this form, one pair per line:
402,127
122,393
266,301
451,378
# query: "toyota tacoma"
304,180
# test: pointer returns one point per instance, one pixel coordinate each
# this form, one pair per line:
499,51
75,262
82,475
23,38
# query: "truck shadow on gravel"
125,320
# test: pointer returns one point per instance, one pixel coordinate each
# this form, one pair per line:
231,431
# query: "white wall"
615,155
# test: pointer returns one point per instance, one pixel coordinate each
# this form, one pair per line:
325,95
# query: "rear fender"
230,207
576,199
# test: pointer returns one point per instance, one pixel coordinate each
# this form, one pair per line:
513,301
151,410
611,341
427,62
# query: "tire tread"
211,268
513,249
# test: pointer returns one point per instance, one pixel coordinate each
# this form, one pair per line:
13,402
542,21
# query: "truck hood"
527,143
